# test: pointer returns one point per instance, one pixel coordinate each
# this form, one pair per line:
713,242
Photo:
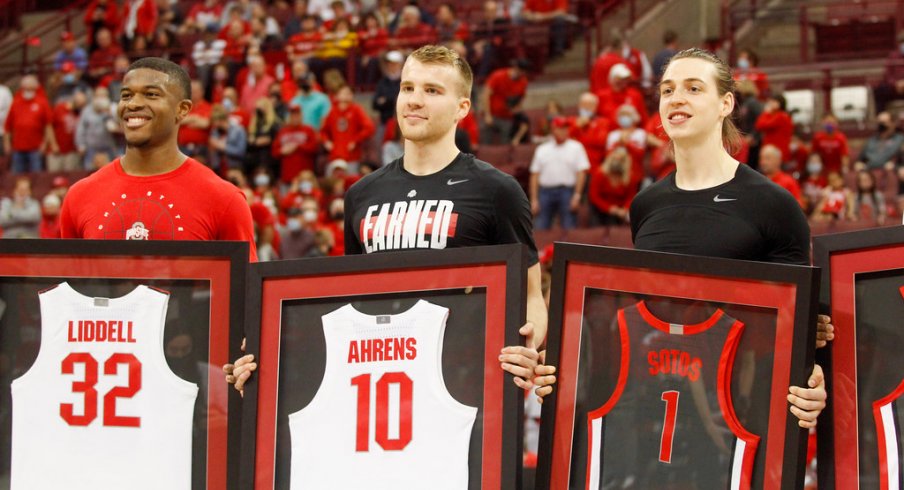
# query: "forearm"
579,183
536,306
534,187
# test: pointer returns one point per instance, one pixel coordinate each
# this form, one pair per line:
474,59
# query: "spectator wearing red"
635,59
264,227
629,135
100,63
50,217
448,26
29,127
813,182
747,69
503,89
346,129
590,129
294,78
411,33
101,14
203,16
771,166
554,13
336,225
72,53
489,39
837,201
256,83
613,186
619,93
306,42
373,40
237,35
609,57
194,132
832,146
775,126
139,21
304,185
800,153
65,121
468,125
338,43
295,146
662,162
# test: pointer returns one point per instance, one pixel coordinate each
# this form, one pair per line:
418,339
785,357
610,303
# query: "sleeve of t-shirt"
535,162
789,236
352,245
235,223
583,162
514,222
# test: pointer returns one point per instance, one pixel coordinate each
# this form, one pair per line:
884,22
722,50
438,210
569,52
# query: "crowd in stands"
277,98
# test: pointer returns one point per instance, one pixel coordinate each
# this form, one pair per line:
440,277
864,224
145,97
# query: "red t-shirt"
502,87
104,58
830,148
788,183
545,6
196,136
344,126
468,124
373,43
776,128
188,203
65,120
605,194
594,136
27,121
303,156
304,44
610,101
599,74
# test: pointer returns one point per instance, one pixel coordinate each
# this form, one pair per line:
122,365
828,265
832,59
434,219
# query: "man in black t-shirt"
436,197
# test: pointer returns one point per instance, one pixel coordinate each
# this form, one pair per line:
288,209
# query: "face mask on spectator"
293,224
625,122
814,167
306,187
228,105
304,84
830,128
882,127
101,104
69,78
743,63
220,75
585,113
310,215
28,94
262,180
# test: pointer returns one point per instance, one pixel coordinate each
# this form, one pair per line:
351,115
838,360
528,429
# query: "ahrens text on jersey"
389,349
408,224
101,331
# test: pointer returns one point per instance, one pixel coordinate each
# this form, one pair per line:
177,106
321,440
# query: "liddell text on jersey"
408,224
100,331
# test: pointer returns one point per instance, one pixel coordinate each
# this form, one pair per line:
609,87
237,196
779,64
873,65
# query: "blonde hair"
618,158
731,136
441,55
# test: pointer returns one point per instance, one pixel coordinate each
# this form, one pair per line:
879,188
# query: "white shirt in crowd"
559,164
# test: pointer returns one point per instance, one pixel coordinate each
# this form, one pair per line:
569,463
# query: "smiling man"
154,191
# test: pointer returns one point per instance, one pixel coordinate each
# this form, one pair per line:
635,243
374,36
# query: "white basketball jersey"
100,408
382,418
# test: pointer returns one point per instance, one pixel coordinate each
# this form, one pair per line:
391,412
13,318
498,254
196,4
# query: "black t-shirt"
749,217
468,203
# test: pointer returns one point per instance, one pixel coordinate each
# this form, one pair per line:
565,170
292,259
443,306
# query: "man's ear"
464,107
183,109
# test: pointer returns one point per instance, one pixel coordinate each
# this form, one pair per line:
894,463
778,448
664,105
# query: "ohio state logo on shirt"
418,223
147,216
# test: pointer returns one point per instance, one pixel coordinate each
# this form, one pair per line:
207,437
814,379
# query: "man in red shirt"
619,93
100,63
302,46
554,12
345,130
775,126
609,57
411,32
194,132
503,89
591,129
154,192
771,166
831,145
28,129
65,120
255,84
295,146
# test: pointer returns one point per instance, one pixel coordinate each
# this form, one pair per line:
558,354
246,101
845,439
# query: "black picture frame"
592,287
206,279
858,270
486,282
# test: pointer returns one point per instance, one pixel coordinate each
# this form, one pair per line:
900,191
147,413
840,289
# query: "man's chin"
137,142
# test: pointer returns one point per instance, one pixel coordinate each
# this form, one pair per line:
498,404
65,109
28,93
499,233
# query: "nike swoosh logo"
453,182
717,199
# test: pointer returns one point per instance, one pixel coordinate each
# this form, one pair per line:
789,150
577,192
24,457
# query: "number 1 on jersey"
362,432
668,425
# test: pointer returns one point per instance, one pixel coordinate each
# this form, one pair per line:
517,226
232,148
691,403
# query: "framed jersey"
673,371
382,371
861,443
110,363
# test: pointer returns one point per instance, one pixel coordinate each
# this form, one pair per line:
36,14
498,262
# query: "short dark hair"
669,37
179,75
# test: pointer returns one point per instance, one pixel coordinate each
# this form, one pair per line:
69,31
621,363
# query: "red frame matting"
215,270
277,290
736,291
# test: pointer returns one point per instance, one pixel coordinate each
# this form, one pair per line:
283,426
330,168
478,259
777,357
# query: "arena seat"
850,103
801,104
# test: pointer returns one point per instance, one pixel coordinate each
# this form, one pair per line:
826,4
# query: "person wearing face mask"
65,120
557,174
195,128
630,137
882,149
831,145
228,141
346,130
295,146
315,105
304,186
746,69
589,128
621,92
263,128
775,126
813,183
69,83
28,129
297,240
612,188
93,132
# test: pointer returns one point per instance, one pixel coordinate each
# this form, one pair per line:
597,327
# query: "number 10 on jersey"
382,416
